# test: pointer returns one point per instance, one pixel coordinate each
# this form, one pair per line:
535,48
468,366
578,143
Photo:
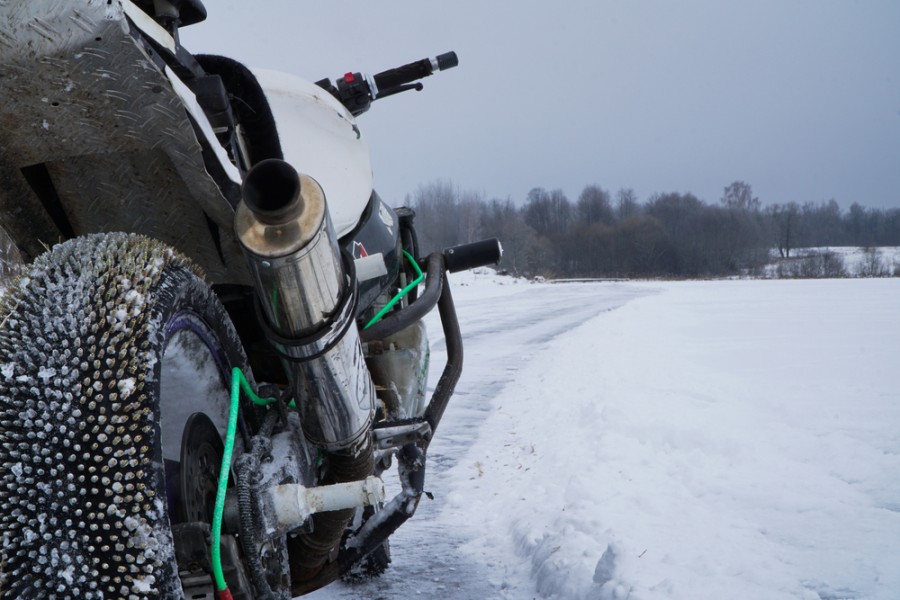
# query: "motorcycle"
211,359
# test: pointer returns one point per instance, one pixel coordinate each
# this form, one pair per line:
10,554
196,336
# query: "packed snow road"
504,326
705,440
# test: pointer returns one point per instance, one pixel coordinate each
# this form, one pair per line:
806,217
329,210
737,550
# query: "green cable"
238,383
403,292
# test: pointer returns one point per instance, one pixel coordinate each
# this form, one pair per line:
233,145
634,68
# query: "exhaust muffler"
307,300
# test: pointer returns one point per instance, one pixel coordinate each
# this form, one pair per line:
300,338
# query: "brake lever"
400,88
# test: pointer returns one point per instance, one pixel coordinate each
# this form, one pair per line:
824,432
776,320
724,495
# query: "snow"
655,440
46,373
882,261
854,257
691,440
126,387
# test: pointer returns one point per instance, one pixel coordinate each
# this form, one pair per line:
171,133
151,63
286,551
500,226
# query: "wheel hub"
201,458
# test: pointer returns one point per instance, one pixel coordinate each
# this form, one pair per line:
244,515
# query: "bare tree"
739,195
784,226
470,211
626,204
548,213
594,206
642,247
872,265
436,205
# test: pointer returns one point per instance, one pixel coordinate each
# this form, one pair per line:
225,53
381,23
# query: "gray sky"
799,98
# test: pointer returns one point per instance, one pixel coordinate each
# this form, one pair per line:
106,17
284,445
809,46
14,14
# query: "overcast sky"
799,98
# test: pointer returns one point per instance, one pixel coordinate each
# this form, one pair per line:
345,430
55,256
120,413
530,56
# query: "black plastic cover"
376,235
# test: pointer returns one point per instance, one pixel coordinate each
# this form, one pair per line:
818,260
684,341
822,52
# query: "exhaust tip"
271,191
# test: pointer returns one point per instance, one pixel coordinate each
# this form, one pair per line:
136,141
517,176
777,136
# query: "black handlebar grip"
402,75
393,78
476,254
447,60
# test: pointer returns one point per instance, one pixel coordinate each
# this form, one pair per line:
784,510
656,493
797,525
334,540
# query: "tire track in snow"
500,337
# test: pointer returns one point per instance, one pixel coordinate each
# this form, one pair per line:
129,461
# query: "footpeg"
399,435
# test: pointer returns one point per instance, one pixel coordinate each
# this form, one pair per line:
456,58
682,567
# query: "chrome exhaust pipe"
307,300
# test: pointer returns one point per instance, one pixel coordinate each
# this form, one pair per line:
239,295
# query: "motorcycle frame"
35,214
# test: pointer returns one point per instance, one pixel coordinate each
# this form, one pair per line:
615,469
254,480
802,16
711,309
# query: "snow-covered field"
836,261
662,440
691,440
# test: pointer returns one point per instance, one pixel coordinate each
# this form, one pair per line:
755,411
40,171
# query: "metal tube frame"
412,457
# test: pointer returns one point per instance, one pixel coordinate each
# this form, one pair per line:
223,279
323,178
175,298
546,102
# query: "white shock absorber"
306,300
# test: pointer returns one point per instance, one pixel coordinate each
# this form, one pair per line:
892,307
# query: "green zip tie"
402,293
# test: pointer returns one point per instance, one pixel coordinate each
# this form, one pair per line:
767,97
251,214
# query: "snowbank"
733,439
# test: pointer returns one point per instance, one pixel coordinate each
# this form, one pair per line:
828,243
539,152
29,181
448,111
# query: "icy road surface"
697,440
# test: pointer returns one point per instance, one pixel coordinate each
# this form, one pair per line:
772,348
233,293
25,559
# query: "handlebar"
393,78
477,254
356,92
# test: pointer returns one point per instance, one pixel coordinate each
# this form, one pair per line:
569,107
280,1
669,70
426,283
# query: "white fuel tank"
319,138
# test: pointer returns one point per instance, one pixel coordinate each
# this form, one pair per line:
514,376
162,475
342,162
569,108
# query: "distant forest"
670,234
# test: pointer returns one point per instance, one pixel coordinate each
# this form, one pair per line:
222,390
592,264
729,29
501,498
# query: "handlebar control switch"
356,92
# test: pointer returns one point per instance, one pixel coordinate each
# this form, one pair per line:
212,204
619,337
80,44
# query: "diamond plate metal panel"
81,96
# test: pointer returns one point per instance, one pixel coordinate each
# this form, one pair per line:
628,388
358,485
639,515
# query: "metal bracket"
395,436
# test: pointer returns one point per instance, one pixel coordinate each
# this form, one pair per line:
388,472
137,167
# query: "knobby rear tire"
90,406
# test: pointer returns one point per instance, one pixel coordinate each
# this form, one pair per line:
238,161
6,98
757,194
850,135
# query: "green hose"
403,292
238,383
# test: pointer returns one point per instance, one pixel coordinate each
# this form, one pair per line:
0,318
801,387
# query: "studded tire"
107,345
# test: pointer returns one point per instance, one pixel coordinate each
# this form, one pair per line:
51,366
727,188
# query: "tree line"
616,235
